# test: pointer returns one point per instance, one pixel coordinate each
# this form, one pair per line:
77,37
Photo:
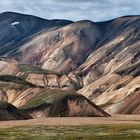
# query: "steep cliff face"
98,60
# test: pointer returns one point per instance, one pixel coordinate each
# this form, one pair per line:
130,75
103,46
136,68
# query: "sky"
95,10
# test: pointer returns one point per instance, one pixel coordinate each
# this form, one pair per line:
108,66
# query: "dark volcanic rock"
9,112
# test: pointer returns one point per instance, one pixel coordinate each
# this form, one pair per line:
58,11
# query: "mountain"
97,60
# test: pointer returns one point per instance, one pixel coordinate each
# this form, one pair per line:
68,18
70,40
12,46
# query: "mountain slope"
63,49
18,28
45,102
111,68
57,103
98,60
9,112
131,105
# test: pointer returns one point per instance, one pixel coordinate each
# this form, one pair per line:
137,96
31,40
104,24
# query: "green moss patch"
9,80
35,69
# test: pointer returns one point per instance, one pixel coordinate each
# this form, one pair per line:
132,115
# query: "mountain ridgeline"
63,68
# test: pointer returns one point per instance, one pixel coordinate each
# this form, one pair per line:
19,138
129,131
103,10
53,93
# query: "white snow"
121,39
15,23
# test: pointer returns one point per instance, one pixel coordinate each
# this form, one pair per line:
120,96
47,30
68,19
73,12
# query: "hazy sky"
95,10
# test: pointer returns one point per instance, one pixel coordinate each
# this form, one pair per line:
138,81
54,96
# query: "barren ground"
74,121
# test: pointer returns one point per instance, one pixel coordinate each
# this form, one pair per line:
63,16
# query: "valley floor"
75,121
118,127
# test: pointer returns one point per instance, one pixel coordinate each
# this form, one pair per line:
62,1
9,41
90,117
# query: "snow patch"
122,39
15,23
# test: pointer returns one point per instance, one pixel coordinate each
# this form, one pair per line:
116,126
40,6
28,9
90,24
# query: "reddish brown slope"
131,105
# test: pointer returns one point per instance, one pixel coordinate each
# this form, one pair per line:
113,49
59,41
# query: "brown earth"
117,120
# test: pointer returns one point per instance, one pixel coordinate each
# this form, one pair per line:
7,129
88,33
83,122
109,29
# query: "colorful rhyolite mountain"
63,68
